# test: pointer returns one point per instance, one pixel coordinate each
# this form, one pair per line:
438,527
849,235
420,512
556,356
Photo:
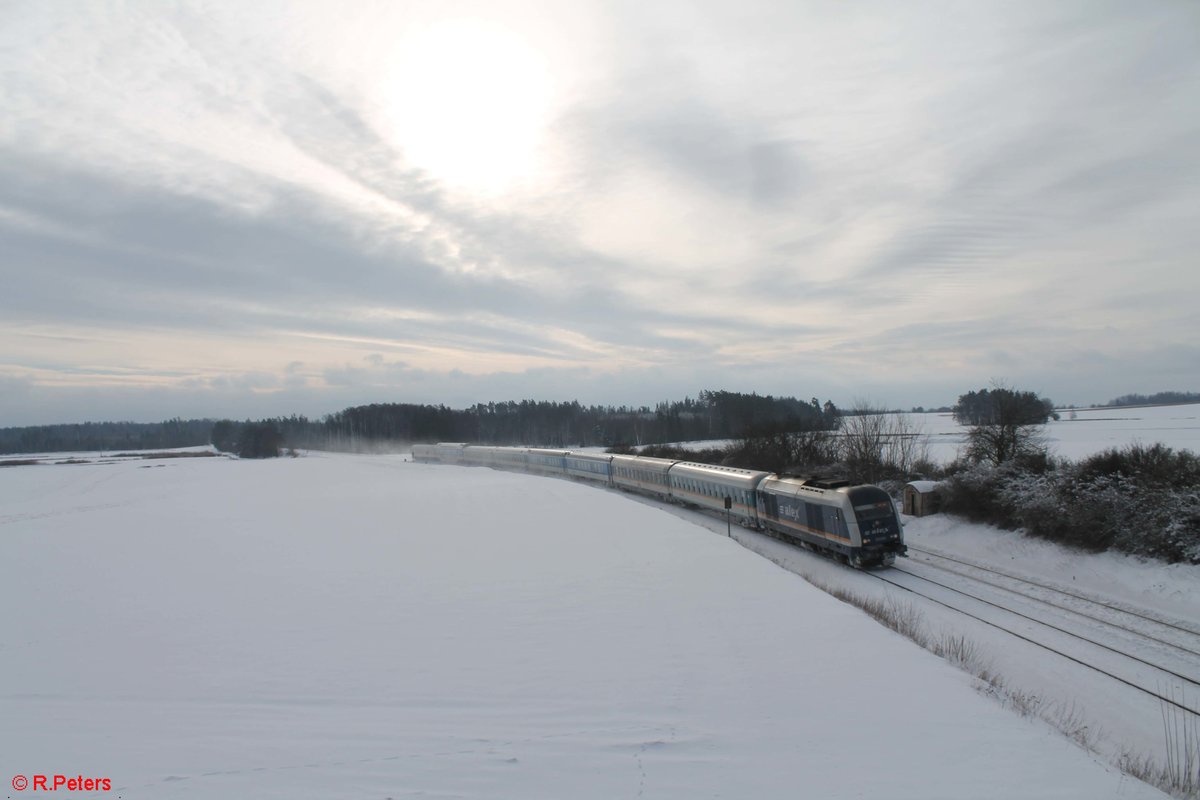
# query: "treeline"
1158,399
712,415
91,436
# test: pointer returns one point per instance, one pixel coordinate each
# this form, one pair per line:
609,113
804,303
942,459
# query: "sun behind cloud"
468,102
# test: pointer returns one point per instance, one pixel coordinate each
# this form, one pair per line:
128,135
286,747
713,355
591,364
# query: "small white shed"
921,498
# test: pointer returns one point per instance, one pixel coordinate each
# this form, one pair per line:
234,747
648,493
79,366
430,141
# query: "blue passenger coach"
642,474
589,466
859,524
707,486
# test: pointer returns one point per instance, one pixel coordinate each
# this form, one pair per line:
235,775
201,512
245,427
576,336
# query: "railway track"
1138,633
1080,629
1154,627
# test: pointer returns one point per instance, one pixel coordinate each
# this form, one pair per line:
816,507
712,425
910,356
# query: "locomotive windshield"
872,506
880,510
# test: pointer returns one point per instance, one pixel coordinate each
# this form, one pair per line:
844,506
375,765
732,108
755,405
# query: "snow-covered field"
1085,431
1092,430
365,627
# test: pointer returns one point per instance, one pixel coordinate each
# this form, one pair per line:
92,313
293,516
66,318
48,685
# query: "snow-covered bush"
976,492
1139,500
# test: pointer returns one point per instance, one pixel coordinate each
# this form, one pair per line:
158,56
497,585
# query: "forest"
712,415
92,436
380,426
1157,399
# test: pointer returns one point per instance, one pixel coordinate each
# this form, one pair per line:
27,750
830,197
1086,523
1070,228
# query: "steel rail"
1168,700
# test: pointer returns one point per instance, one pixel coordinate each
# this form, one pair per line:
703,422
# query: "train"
858,524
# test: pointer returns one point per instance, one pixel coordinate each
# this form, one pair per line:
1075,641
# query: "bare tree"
876,445
907,446
862,442
1003,424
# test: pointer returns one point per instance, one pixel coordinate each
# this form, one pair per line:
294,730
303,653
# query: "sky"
216,209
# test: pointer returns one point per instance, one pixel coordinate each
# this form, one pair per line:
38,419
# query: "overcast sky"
250,209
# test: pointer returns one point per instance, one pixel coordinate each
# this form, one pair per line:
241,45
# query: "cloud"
793,200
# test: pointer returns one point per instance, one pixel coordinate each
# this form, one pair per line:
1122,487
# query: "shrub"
976,492
1154,464
1140,500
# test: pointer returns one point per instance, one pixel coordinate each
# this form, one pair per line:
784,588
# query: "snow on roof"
923,487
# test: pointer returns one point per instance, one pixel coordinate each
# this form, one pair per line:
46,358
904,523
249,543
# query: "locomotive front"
881,536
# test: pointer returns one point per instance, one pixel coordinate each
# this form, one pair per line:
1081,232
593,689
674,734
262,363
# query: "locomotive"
857,524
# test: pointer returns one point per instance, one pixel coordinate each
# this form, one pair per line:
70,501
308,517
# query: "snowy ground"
364,627
1090,431
1171,590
